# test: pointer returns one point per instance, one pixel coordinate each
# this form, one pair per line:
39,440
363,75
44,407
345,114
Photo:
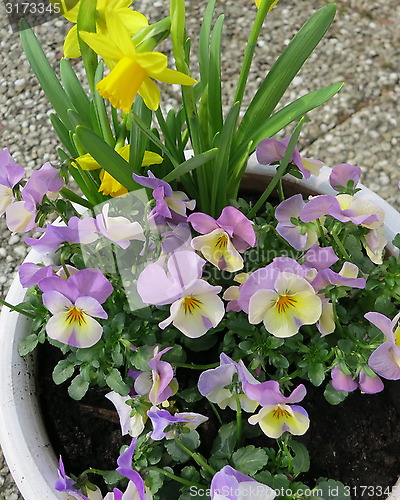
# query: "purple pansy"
298,235
320,258
66,484
223,239
125,468
272,151
74,302
385,360
347,276
45,181
230,484
54,236
10,175
21,215
342,174
171,205
161,419
344,382
214,384
195,305
132,425
159,384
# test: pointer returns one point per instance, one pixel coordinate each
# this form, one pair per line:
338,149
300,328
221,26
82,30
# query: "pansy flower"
271,151
342,174
346,383
230,484
10,175
385,360
159,384
223,238
196,306
132,72
66,484
130,424
278,413
167,426
74,304
138,489
55,235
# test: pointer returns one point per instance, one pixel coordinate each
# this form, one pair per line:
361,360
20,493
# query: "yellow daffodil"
131,71
133,21
109,185
258,3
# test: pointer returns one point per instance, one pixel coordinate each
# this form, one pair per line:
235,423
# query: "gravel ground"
359,126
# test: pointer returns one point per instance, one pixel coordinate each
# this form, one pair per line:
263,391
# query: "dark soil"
356,442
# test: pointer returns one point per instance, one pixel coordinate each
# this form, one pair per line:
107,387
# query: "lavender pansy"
300,236
10,175
132,425
195,305
385,360
347,276
342,174
320,258
223,239
125,468
345,382
167,426
66,484
230,484
21,215
54,236
42,182
272,151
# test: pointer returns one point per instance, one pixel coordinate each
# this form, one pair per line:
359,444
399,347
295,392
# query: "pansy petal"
55,301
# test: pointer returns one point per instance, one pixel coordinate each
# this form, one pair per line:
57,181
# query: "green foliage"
249,459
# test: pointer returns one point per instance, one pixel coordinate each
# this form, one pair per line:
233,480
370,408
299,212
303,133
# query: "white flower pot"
23,437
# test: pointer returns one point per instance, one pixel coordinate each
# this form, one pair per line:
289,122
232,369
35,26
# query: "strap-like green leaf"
191,164
44,73
214,83
63,134
75,91
106,156
285,69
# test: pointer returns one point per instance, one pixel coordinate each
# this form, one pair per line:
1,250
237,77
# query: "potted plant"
200,304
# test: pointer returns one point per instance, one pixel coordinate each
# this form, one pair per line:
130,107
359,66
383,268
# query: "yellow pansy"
131,72
133,21
109,185
258,3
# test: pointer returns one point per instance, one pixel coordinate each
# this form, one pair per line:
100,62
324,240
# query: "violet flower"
171,205
230,484
73,304
54,236
159,384
214,384
272,151
347,276
385,360
278,414
21,215
66,484
346,383
223,238
320,258
342,174
195,305
300,236
10,175
45,181
132,425
125,468
166,425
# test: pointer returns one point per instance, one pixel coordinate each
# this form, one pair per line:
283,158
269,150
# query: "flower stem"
239,420
340,246
197,457
196,367
172,476
17,309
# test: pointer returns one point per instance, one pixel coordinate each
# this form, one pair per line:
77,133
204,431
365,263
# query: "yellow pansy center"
76,315
397,336
222,241
280,412
285,302
190,304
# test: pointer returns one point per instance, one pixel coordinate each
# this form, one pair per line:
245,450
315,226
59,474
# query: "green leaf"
191,440
78,388
107,157
301,460
249,459
75,91
316,373
285,69
63,370
332,490
44,73
333,396
396,241
191,164
214,83
28,344
63,135
204,42
225,442
87,22
115,383
101,111
111,477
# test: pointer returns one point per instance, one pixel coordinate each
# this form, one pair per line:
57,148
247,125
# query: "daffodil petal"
119,35
110,186
71,44
102,45
153,62
87,162
172,76
133,20
151,158
150,93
